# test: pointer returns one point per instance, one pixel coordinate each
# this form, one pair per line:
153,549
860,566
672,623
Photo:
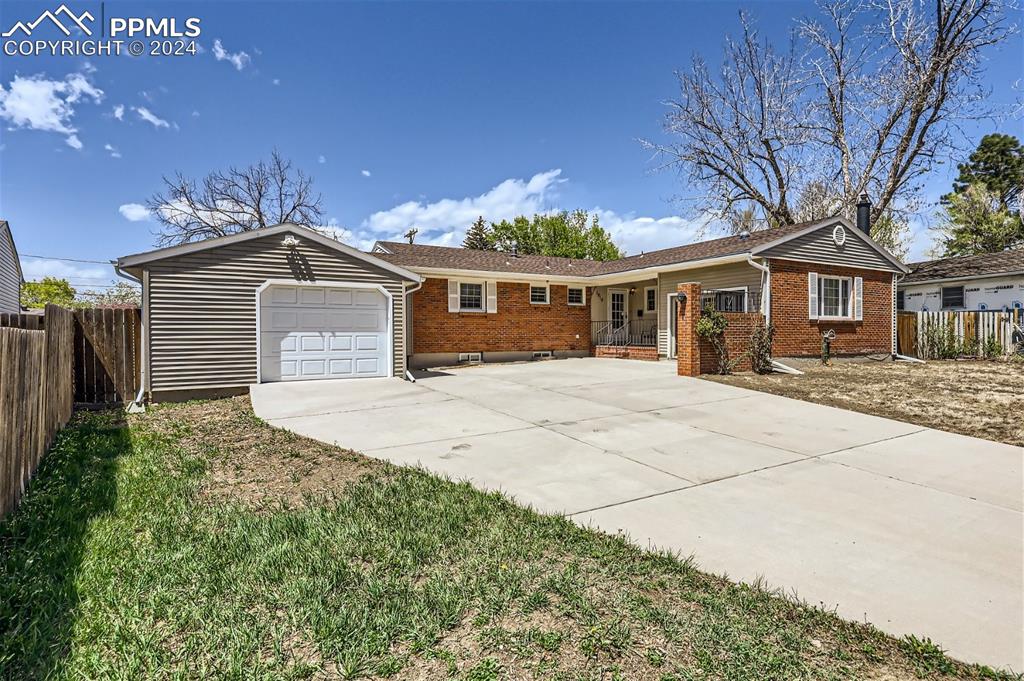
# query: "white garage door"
309,332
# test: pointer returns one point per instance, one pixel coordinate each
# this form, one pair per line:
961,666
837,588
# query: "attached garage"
283,303
336,331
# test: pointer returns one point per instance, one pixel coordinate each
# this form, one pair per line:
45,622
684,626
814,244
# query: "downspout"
137,405
766,305
766,288
408,312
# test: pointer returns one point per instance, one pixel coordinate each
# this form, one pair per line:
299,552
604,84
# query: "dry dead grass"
978,398
252,462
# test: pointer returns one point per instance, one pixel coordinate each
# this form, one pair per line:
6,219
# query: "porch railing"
634,332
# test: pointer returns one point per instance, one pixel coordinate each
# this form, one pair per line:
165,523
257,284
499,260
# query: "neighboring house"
10,271
286,303
990,281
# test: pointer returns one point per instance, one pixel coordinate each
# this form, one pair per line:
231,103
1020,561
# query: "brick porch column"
687,343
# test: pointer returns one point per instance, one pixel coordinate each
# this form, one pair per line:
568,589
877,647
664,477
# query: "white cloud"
365,173
35,269
37,103
134,212
119,112
321,159
148,116
276,81
444,222
195,114
239,59
114,153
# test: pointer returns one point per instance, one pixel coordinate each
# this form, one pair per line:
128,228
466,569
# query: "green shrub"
761,348
711,326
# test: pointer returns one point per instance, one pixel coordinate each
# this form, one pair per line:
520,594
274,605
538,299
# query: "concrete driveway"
914,530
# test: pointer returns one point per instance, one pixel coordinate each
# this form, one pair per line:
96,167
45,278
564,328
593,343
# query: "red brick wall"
737,340
687,344
796,334
627,352
517,326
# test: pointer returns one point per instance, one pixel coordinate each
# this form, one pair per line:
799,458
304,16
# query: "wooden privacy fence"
946,334
108,355
107,348
36,398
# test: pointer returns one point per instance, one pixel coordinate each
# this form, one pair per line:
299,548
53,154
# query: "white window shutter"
492,296
453,295
858,298
812,295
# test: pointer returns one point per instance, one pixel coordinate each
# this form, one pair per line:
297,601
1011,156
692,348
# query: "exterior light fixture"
290,241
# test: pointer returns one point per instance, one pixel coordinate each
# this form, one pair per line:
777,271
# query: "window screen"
538,294
952,296
471,296
575,296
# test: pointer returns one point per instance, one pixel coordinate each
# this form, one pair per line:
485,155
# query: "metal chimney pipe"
864,214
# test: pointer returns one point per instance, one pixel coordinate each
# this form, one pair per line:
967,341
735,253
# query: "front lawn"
979,398
195,541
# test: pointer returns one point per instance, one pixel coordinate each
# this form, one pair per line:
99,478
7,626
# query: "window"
471,297
952,296
539,295
651,302
576,296
900,302
834,297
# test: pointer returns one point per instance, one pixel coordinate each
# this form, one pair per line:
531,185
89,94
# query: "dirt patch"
252,462
978,398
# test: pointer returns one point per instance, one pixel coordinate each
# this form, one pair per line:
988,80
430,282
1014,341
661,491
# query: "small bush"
761,348
711,326
992,348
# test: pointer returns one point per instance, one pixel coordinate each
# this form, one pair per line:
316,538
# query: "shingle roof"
985,264
444,257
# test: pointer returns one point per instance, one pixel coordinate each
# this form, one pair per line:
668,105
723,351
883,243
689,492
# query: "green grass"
121,564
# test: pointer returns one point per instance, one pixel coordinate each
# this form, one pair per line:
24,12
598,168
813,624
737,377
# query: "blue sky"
405,113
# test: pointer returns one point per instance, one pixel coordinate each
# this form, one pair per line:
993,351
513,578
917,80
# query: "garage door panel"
340,342
323,332
367,343
366,366
339,297
309,295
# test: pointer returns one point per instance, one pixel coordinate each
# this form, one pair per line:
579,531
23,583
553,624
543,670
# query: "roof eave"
968,277
140,259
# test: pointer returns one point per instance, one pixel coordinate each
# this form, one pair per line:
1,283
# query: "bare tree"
264,194
868,99
739,132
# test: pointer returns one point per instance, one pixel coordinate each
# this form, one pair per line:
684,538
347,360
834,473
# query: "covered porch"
636,319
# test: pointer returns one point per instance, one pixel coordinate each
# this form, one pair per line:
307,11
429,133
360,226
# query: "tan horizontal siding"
202,307
731,275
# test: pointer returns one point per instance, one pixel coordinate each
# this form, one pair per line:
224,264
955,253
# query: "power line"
47,257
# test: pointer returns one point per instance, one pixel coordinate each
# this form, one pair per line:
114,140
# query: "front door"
617,308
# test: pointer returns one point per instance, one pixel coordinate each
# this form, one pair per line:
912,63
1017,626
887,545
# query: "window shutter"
812,295
492,296
453,295
858,298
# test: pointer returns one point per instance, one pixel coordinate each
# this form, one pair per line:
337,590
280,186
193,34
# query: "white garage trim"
389,325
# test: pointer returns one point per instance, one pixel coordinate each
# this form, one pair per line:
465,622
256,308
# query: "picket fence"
931,335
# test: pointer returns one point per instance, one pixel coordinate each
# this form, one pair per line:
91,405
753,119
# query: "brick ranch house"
286,303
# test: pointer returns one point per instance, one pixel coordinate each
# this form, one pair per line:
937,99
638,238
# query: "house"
989,281
10,271
286,303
